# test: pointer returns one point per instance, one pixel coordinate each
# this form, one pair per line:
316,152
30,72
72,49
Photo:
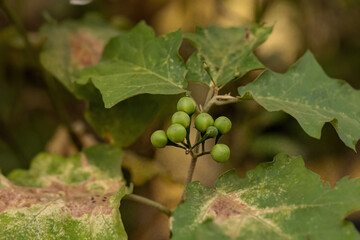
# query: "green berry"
159,139
186,104
181,118
211,131
203,121
223,124
176,133
220,152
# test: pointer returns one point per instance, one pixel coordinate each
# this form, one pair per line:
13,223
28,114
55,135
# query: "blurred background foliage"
32,120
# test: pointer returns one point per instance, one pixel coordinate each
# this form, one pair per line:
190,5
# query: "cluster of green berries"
179,130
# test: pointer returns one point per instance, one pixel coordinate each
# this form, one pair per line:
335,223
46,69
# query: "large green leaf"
65,198
136,63
224,54
72,46
310,96
277,200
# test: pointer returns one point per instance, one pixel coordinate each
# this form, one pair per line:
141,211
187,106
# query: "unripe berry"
211,131
181,118
203,121
186,104
223,124
176,133
159,139
220,152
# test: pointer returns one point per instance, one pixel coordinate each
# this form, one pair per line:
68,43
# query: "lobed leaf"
277,200
136,63
311,97
224,54
65,198
74,45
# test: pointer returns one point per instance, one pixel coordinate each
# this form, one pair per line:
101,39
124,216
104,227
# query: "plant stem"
207,105
149,202
189,175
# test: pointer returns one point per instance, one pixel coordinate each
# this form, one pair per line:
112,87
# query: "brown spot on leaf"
74,199
86,49
248,35
226,207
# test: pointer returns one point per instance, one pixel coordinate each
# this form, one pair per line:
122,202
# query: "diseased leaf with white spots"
224,54
277,200
311,97
136,63
65,198
72,46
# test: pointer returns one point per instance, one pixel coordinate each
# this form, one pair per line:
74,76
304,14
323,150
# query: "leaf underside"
311,97
136,63
277,200
65,198
224,54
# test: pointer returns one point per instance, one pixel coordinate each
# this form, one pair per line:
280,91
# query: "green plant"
132,74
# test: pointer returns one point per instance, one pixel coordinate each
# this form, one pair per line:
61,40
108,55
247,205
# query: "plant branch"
149,202
207,105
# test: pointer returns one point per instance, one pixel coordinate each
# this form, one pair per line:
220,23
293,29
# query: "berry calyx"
220,152
159,139
223,124
203,121
186,104
176,133
181,118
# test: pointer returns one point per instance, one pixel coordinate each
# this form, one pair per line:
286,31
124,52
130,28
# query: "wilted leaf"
72,46
65,198
310,96
277,200
224,54
136,63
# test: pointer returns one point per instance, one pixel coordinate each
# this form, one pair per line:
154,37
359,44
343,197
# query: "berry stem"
176,145
202,154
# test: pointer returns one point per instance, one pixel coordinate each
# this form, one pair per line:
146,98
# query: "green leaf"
277,200
72,46
65,198
124,123
136,63
310,96
224,54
